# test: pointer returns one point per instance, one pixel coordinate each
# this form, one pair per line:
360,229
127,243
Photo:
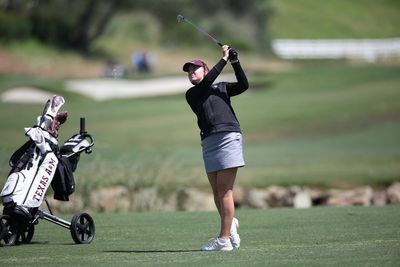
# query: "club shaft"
203,32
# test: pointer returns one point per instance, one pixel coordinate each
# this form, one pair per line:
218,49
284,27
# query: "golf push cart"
36,165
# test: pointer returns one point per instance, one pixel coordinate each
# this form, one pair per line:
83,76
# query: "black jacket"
211,102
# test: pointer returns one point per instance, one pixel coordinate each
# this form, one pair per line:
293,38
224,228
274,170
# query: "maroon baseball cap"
196,62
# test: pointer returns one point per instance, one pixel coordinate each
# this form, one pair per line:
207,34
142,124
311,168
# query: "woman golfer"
221,138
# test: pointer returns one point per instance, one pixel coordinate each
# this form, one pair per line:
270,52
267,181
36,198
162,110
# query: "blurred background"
322,111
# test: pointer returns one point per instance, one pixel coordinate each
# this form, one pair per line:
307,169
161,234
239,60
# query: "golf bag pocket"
13,184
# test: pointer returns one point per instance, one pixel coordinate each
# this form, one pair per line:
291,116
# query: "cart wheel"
9,231
82,228
26,235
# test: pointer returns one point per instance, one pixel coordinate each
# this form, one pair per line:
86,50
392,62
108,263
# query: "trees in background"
78,24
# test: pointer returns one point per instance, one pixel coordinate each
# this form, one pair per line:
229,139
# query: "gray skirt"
222,151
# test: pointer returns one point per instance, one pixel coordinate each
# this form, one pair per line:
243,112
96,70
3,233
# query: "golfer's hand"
225,52
233,55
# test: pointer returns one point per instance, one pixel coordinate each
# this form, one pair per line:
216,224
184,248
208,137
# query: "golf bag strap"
20,158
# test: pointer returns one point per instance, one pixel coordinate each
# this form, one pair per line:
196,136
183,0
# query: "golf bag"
33,165
36,165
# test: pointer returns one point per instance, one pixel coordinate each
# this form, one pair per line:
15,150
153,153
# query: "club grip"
82,126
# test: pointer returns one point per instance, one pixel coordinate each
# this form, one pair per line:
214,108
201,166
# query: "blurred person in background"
142,61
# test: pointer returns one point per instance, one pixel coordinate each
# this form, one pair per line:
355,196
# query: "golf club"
182,18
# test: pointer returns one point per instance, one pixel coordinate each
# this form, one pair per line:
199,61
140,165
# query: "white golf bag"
35,163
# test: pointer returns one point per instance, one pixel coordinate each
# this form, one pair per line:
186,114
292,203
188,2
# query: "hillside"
313,19
127,33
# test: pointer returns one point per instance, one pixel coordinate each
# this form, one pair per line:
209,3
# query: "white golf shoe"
217,244
234,237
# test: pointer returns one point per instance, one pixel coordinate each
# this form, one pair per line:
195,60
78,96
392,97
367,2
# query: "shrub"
13,26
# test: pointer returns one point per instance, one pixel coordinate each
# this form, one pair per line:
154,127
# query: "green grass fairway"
326,124
357,236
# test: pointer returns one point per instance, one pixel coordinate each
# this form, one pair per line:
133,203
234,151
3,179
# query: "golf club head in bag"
50,120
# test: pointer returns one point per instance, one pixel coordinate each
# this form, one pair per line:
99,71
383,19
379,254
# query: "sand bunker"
25,95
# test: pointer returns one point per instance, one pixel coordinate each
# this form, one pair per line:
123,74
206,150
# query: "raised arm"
213,74
242,84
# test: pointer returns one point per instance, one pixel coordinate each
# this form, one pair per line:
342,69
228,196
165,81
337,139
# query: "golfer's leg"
225,181
212,178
